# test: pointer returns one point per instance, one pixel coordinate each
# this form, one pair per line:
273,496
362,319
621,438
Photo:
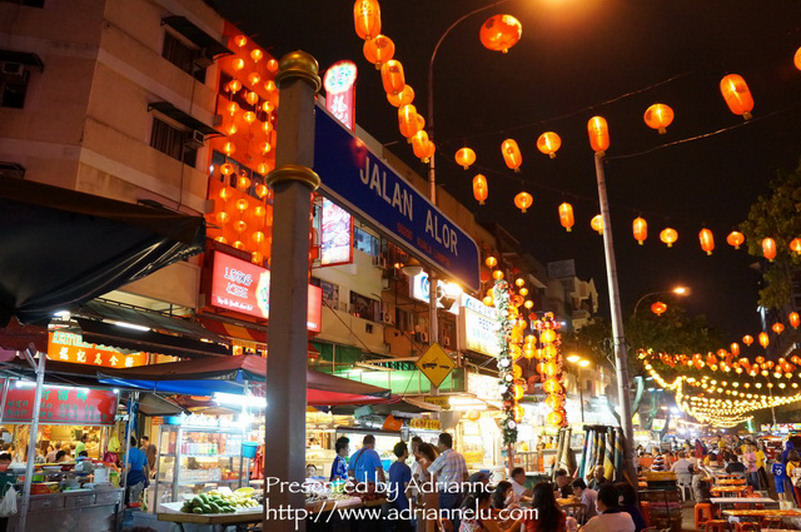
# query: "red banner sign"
61,405
244,287
68,347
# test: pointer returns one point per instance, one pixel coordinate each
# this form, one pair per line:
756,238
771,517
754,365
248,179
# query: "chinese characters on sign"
61,406
479,327
339,83
68,347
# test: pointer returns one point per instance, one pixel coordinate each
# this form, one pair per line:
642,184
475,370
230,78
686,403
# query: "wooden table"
739,490
171,511
730,482
743,500
758,515
567,501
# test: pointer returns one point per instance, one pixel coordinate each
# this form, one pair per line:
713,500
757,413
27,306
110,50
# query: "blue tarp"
188,387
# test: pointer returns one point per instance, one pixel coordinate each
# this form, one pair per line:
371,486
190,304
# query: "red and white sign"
339,81
61,405
244,287
68,347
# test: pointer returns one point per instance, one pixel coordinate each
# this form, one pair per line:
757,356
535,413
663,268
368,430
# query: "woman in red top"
550,518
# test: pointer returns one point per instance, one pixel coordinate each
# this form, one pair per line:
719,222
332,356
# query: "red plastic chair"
645,506
703,513
717,525
746,527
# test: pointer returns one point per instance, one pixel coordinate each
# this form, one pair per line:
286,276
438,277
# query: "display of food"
221,501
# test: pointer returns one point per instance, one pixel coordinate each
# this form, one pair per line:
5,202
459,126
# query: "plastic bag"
8,506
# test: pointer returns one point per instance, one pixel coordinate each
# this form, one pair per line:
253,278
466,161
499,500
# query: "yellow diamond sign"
435,364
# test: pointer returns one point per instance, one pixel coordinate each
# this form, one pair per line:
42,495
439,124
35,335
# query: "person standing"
750,461
448,469
150,452
339,469
81,446
137,473
365,464
399,477
51,456
427,498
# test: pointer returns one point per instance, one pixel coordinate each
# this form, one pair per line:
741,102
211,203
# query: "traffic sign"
435,364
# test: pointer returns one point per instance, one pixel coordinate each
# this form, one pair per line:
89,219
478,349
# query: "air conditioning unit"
423,337
446,341
386,318
13,69
195,139
202,61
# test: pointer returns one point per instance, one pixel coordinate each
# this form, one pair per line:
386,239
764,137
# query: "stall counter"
87,510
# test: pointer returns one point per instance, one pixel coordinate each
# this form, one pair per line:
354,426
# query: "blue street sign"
361,182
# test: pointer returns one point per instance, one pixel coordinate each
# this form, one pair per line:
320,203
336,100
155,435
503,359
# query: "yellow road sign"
435,364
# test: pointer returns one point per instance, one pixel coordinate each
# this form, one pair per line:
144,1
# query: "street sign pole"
292,183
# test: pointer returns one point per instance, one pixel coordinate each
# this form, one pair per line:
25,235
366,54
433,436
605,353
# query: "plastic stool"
703,513
746,527
717,525
645,506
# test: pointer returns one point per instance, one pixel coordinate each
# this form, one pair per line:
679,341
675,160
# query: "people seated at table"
503,495
549,517
794,472
682,469
478,522
628,503
700,485
611,518
562,484
587,496
518,481
597,479
645,460
733,465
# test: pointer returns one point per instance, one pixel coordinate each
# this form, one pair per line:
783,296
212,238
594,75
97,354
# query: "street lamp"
582,363
679,291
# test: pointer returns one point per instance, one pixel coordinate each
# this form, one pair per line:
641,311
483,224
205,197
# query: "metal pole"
35,408
292,183
581,395
618,336
433,323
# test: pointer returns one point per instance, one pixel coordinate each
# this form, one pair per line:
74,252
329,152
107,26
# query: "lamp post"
581,363
679,291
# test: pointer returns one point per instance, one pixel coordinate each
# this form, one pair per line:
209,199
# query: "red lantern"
423,148
523,201
404,97
735,349
778,328
378,50
549,143
555,419
598,131
769,248
748,339
511,154
668,236
597,224
658,308
707,240
737,95
640,229
795,246
794,319
407,121
465,157
735,239
367,18
392,77
659,116
500,32
566,216
480,192
764,340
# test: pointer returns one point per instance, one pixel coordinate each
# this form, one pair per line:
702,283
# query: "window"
330,294
366,243
13,85
365,307
182,56
172,142
29,3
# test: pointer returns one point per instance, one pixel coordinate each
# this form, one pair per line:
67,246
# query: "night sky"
574,56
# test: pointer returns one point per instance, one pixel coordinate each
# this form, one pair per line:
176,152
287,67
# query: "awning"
17,337
229,374
60,247
252,334
196,35
25,58
168,109
142,330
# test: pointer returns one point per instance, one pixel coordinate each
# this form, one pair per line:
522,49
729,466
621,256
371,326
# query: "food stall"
83,494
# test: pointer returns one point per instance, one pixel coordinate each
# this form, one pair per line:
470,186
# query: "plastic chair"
746,527
717,525
645,506
703,513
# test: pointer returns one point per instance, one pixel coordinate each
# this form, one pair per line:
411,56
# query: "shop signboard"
68,347
441,401
61,405
362,183
241,286
478,327
339,81
435,364
336,240
419,290
484,387
420,423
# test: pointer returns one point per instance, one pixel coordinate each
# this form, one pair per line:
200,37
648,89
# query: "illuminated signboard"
478,327
419,290
244,287
337,235
339,83
68,347
61,405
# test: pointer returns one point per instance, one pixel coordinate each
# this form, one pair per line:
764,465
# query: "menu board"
60,405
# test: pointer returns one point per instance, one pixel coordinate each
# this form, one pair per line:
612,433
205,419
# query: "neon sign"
339,81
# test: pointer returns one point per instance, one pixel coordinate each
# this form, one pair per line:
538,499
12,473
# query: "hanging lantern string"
704,135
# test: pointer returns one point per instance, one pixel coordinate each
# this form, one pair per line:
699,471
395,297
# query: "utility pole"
292,183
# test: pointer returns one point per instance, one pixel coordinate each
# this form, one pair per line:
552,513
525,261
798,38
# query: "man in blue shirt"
137,473
339,470
399,477
365,464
